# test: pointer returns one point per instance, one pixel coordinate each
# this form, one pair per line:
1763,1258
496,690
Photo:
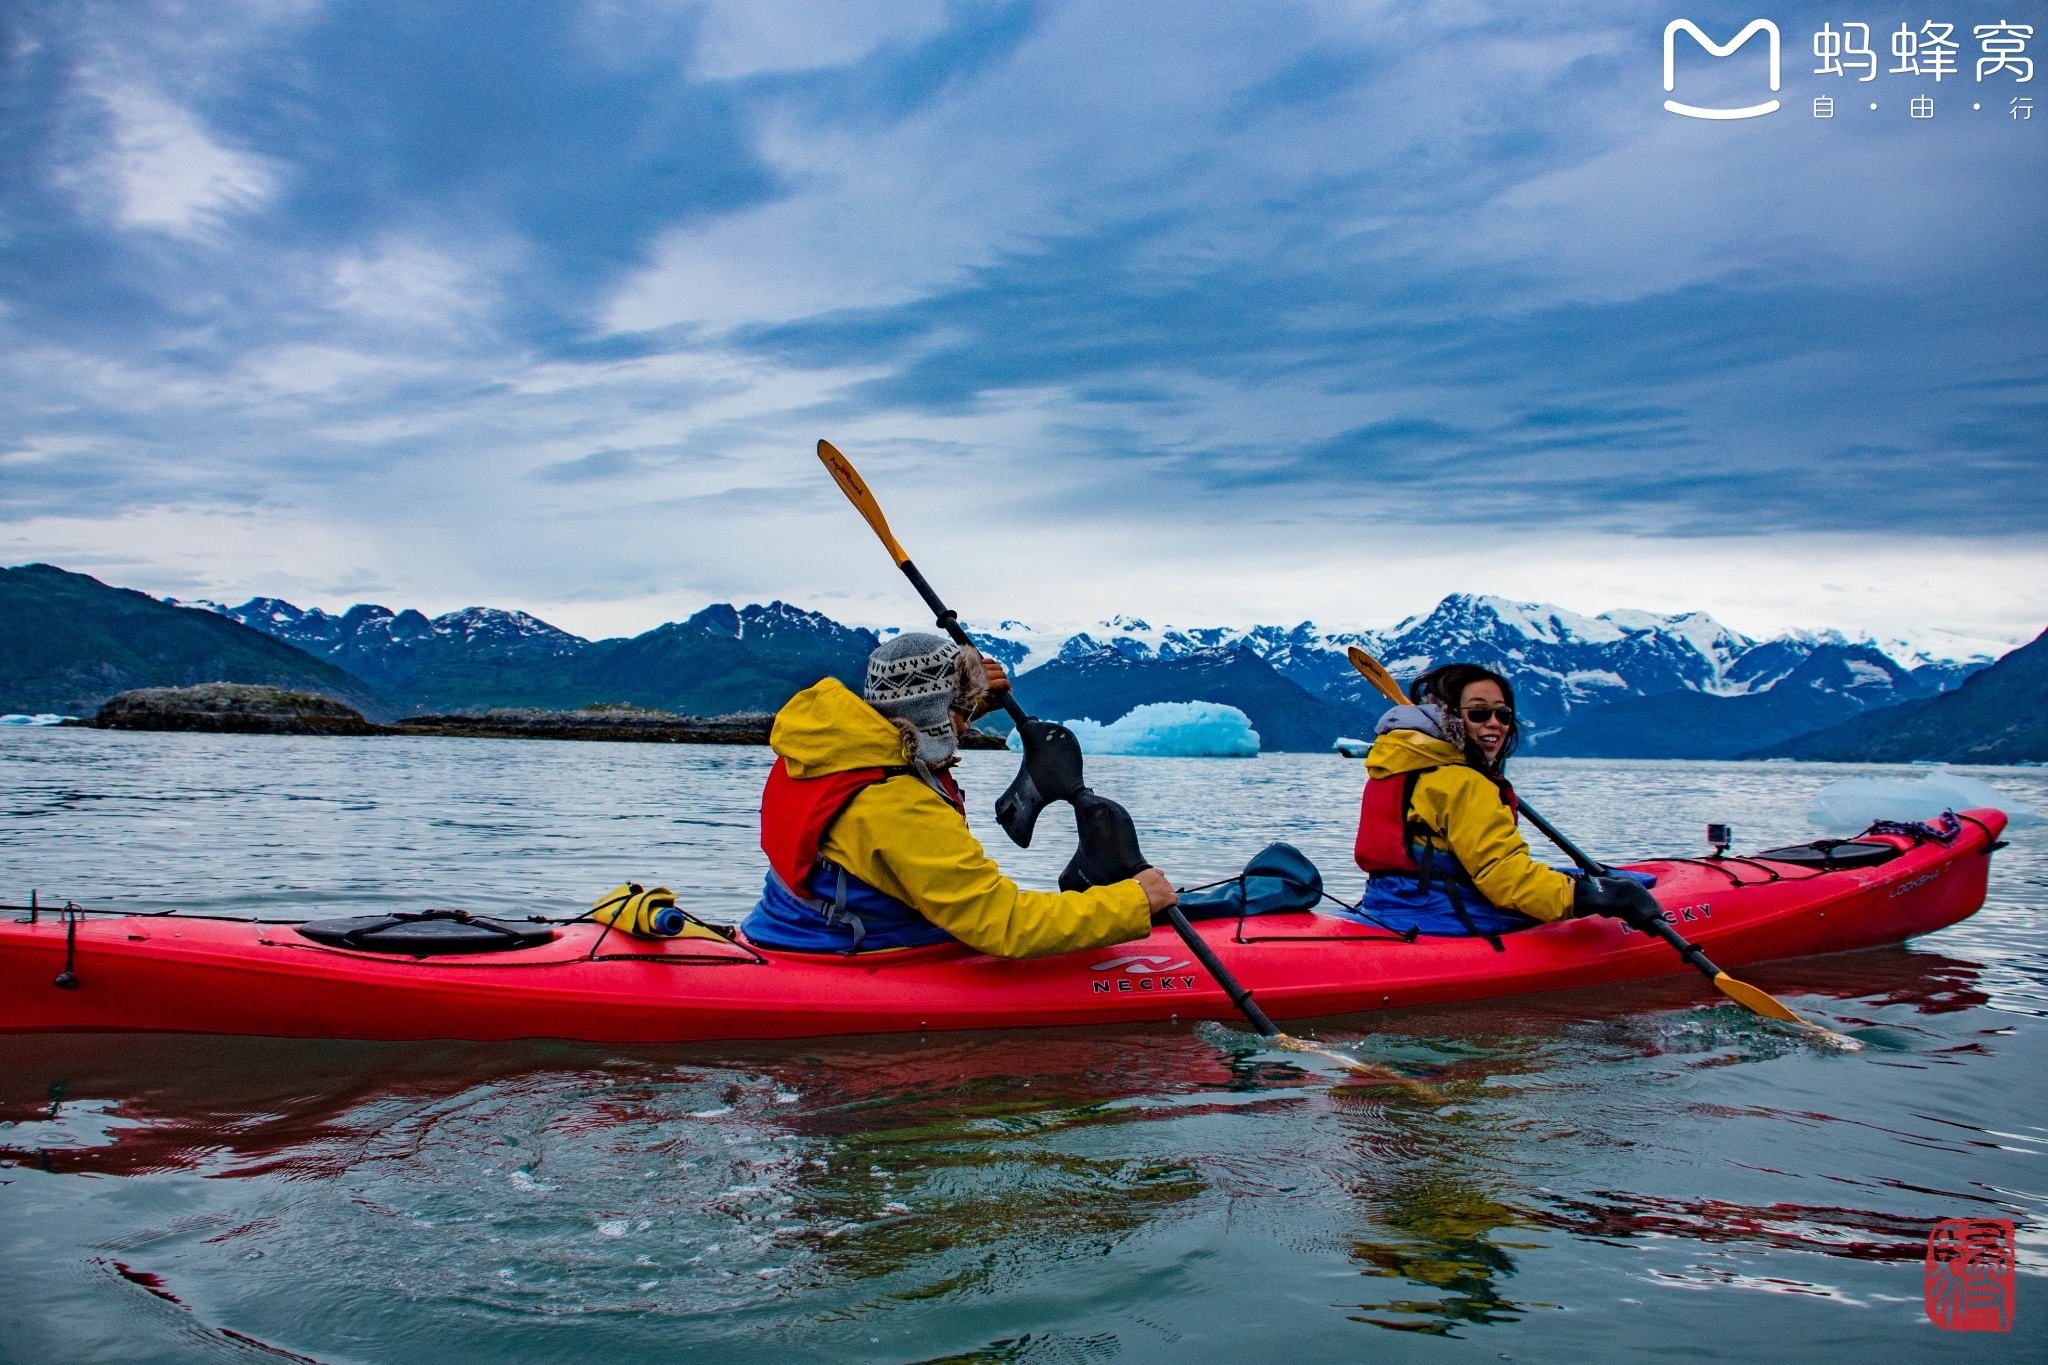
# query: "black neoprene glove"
1618,898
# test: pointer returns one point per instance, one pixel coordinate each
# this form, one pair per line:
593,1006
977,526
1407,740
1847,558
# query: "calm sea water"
1634,1171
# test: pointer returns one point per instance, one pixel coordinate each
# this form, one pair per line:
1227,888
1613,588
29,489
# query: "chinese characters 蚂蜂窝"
1930,50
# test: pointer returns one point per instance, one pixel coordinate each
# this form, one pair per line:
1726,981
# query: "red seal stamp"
1970,1274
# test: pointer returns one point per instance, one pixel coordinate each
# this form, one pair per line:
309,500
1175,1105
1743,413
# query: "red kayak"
183,973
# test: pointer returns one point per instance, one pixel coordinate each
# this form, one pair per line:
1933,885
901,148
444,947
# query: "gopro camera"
1720,836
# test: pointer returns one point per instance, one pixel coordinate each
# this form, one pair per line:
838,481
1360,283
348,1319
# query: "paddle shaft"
1239,995
1691,952
948,620
1571,850
864,501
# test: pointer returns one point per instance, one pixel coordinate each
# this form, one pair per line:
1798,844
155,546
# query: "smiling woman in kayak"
866,831
1436,829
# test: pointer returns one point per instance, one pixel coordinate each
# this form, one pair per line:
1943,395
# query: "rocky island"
230,708
248,709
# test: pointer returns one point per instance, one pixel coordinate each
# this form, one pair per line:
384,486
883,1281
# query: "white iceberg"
40,718
1169,729
1851,804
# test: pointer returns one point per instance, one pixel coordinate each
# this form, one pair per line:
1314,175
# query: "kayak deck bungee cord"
73,970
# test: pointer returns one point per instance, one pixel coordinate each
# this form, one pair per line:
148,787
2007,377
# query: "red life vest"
796,812
1386,829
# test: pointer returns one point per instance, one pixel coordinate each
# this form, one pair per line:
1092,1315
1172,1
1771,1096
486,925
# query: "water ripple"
1589,1172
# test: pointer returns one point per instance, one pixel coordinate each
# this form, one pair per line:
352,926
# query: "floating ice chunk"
40,718
1851,804
1169,729
613,1227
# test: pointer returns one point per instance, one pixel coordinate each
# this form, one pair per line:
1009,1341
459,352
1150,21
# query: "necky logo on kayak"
1138,963
1704,910
1687,26
1144,983
1150,971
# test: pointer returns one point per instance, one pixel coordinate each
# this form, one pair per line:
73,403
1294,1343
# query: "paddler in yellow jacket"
866,831
1437,825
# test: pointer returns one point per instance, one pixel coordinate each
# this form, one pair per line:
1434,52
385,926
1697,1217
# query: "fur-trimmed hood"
1427,718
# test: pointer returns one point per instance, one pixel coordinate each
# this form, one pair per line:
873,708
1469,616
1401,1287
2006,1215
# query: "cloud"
739,39
590,279
166,172
598,466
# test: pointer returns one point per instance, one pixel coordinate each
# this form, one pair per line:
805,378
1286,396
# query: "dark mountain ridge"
720,660
69,642
1994,717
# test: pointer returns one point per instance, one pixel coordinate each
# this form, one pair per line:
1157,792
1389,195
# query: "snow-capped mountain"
1562,662
366,626
778,622
386,648
1565,665
390,649
484,656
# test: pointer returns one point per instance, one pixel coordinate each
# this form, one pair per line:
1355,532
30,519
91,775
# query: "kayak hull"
195,975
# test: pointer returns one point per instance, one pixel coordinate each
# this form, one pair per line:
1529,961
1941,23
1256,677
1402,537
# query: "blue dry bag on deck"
1279,879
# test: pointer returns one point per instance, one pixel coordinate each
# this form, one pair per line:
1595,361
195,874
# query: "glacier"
1848,806
1168,729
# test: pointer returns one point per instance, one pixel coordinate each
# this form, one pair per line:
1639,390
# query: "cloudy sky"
1206,312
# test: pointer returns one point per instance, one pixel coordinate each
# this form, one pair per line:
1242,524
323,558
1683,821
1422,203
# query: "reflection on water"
1443,1243
1603,1172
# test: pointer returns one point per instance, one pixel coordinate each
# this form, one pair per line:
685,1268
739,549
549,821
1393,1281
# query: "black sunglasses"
1480,715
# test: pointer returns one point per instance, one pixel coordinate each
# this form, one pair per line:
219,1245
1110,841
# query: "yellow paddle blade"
1376,673
1753,999
856,489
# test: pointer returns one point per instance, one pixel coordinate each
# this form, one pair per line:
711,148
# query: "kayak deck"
180,973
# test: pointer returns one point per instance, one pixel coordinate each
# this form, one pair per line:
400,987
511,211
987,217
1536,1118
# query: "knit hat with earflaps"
916,680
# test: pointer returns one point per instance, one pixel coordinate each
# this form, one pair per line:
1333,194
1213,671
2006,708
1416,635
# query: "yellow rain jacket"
1465,815
907,841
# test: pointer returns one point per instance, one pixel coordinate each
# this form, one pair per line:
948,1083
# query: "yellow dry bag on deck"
647,913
